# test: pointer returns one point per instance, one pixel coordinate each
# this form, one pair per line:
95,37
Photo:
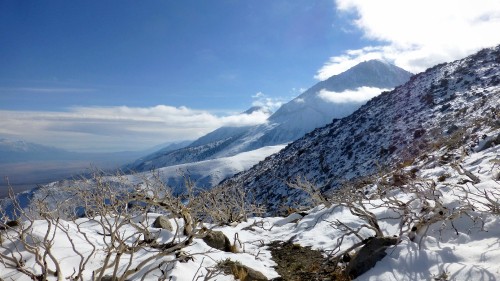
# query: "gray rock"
247,273
217,240
488,142
242,272
369,255
163,222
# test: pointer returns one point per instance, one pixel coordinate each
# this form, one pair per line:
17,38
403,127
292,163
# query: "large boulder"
242,272
369,255
163,222
245,273
217,240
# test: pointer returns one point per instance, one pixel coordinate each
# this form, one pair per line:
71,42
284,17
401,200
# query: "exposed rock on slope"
449,101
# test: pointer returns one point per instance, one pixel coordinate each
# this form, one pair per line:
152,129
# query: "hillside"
449,102
291,121
441,224
418,200
208,173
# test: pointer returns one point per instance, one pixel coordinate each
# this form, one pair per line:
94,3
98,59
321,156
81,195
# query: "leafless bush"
480,199
224,205
311,189
414,207
118,210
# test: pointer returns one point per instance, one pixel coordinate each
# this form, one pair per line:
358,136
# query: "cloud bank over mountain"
118,127
361,94
415,35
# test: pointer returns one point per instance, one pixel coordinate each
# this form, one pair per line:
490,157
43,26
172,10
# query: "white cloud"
297,91
258,95
360,95
268,103
256,117
418,34
117,128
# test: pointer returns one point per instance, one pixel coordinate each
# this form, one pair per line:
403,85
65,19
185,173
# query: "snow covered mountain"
208,173
18,150
335,97
459,241
447,103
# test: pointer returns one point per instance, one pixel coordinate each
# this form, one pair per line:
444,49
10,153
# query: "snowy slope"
204,148
208,173
308,111
453,100
311,110
204,174
461,245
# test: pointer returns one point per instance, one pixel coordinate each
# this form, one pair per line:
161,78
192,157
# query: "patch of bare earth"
297,263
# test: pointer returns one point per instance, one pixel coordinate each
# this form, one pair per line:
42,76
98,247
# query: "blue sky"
203,54
125,75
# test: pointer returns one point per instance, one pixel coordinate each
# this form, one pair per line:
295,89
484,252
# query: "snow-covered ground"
203,174
208,173
462,241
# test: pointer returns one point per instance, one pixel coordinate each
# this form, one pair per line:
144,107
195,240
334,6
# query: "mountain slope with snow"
301,115
425,205
454,100
203,174
459,241
208,173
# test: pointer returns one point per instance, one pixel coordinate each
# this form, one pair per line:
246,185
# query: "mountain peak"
447,106
371,73
290,122
375,62
315,112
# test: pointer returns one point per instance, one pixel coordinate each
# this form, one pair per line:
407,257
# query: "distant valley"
25,165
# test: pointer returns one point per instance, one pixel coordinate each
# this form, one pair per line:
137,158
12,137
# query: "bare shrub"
223,205
116,210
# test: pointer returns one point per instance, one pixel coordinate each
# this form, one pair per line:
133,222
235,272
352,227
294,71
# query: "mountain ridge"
288,123
391,128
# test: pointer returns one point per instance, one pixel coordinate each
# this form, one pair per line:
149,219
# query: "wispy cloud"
360,95
269,103
418,34
117,128
297,91
48,90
